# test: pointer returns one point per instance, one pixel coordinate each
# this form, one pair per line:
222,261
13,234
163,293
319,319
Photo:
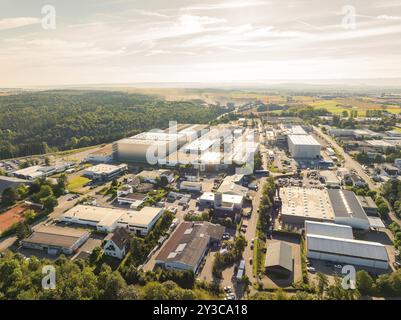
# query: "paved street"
350,163
252,222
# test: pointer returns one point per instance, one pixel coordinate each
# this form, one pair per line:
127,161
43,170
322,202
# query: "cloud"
386,17
149,13
229,4
12,23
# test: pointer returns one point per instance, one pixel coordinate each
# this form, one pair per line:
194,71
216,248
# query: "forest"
57,120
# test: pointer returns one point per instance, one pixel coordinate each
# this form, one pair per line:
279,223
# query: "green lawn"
75,184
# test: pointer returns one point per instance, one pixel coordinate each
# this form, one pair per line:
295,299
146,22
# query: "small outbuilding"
279,261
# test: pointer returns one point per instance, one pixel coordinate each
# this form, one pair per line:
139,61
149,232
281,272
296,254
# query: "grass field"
75,184
337,106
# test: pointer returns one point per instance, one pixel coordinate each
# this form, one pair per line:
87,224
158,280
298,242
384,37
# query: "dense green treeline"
39,122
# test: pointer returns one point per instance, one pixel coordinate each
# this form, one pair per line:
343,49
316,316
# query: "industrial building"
303,146
103,219
347,209
191,186
12,182
332,205
230,186
328,229
368,205
279,261
221,201
108,219
153,147
155,176
188,245
104,172
134,200
330,179
140,222
335,243
36,172
300,204
379,145
147,147
55,240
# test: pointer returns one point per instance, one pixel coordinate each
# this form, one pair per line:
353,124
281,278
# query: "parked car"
338,266
226,236
311,269
230,296
228,289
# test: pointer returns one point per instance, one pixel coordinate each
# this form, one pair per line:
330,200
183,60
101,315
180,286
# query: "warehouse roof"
103,168
306,202
279,254
189,242
297,130
346,204
200,145
328,229
190,184
6,182
379,143
99,215
301,139
56,236
229,186
367,202
142,217
330,177
34,171
347,247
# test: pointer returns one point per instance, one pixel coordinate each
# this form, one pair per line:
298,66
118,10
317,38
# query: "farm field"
337,106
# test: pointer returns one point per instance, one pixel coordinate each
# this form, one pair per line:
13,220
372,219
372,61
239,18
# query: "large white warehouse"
332,242
154,146
303,146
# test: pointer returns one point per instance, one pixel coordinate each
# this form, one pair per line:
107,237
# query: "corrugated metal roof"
347,247
328,229
346,204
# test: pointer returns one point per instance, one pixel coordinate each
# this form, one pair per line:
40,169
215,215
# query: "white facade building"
335,243
116,243
108,219
303,146
140,222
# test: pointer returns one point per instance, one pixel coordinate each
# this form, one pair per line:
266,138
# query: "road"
253,220
349,162
80,156
352,164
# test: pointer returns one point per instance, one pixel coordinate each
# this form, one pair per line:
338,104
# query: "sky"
206,41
